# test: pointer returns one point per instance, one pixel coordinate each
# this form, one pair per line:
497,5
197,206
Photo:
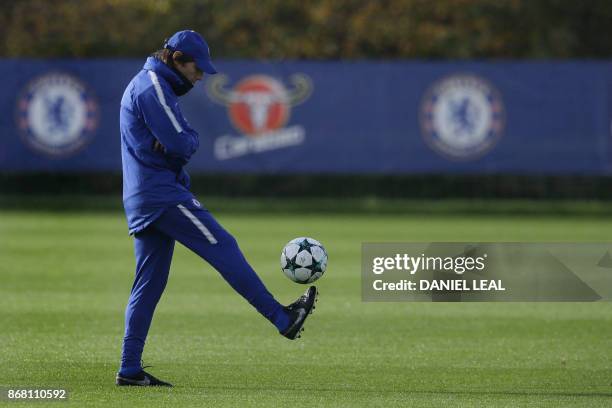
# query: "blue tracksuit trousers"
196,228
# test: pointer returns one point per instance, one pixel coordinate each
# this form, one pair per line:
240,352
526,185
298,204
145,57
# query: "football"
304,260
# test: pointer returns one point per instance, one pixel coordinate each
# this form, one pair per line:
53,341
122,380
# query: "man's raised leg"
198,230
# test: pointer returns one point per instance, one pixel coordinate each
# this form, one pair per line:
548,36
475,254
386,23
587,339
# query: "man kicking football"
156,142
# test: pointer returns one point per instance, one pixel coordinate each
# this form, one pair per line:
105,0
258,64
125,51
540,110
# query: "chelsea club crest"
462,117
57,115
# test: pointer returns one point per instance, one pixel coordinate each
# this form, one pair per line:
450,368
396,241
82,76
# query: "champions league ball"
303,260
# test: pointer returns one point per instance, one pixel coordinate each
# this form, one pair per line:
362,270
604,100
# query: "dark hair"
165,55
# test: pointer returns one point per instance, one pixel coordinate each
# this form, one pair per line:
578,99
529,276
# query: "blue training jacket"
154,181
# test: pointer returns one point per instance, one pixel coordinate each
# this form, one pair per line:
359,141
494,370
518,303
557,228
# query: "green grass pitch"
65,279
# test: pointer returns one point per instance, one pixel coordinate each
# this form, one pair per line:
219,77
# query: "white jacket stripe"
209,236
162,100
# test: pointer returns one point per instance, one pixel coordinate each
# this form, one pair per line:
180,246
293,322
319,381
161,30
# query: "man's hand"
158,147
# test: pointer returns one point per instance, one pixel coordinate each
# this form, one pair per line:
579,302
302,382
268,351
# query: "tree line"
312,29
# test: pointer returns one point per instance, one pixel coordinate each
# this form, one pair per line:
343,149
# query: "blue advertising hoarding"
325,117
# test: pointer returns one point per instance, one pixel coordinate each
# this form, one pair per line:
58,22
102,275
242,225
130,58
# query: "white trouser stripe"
198,224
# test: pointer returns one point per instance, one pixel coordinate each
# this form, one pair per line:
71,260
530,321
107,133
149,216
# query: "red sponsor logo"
259,104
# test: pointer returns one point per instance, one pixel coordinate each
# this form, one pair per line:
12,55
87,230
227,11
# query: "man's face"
190,71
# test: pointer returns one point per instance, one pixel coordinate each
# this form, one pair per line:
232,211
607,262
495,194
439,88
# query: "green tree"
313,29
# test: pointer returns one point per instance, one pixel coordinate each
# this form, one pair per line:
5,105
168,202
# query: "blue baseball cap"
194,45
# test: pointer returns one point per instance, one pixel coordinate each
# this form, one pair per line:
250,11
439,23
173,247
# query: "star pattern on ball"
316,266
290,263
308,261
304,244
